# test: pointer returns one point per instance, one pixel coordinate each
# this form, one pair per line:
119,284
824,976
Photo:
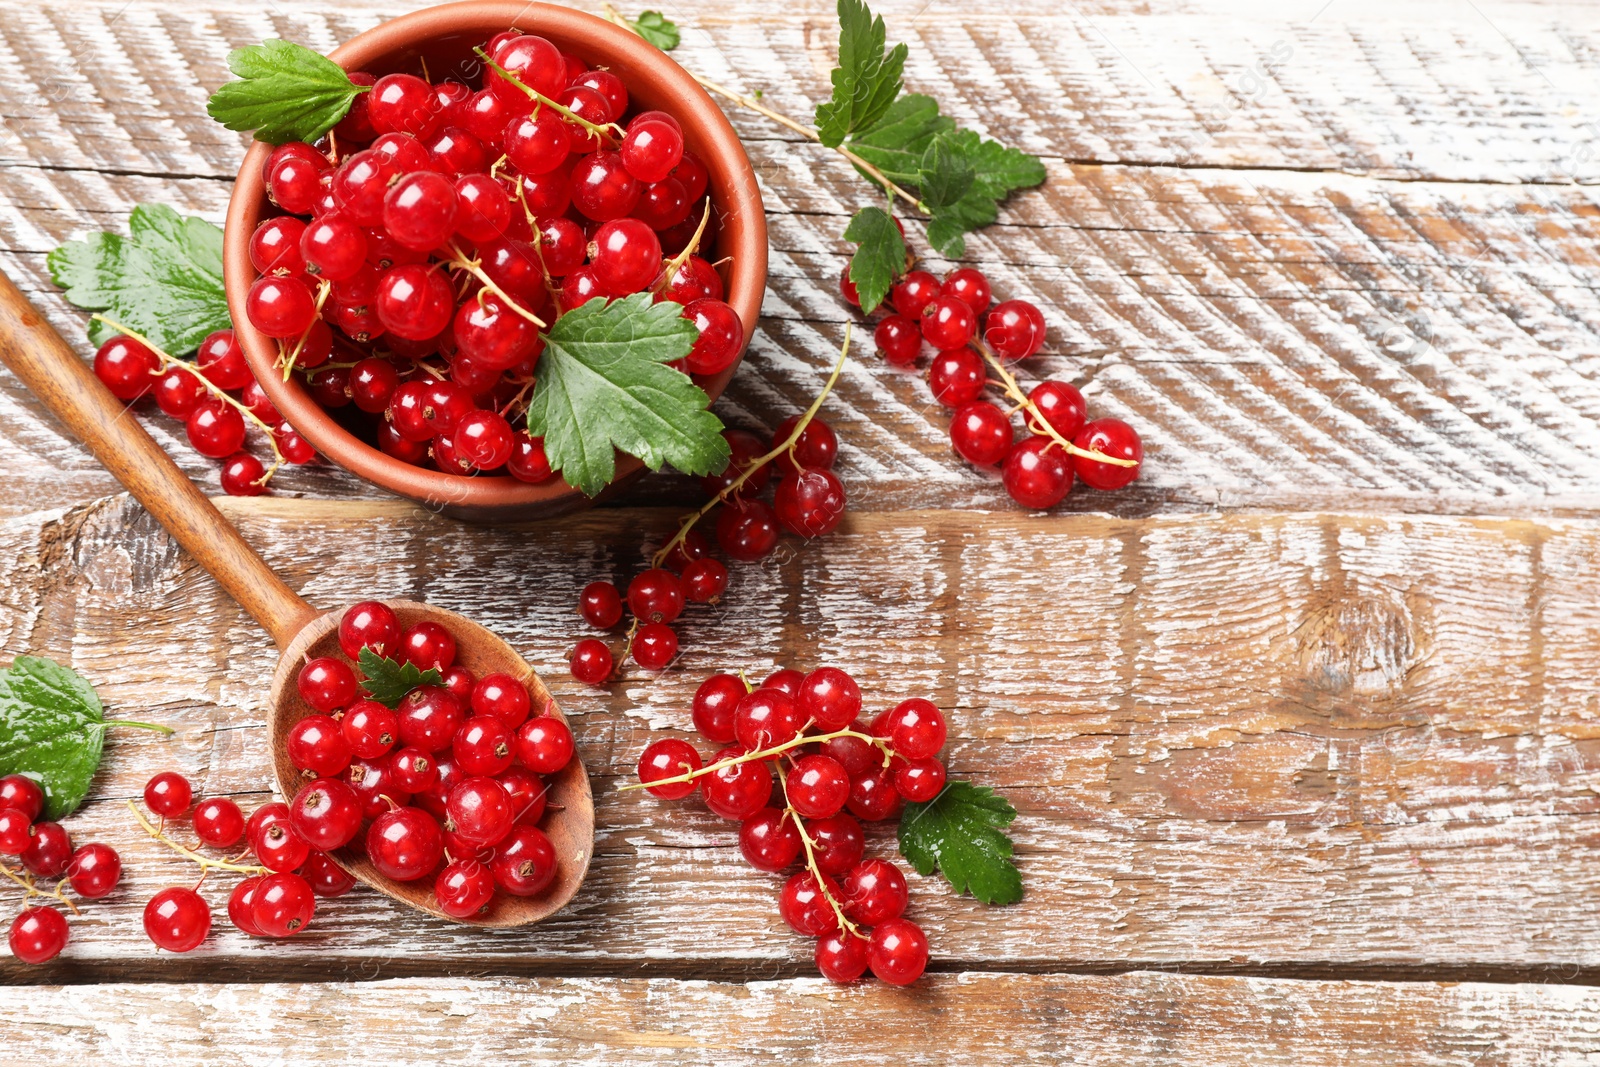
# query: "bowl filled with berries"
498,258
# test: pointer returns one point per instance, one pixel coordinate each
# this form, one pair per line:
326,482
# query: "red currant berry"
817,446
898,952
275,245
981,433
479,812
747,530
502,697
464,888
899,339
1060,405
562,246
317,748
817,787
704,580
16,832
537,144
369,624
325,877
334,247
1037,473
295,184
456,152
847,288
694,176
525,863
327,684
215,429
721,336
272,839
602,188
179,392
532,62
842,957
280,307
715,705
126,367
414,770
429,717
694,280
484,210
218,822
95,868
38,935
221,361
957,377
403,103
427,644
1109,437
766,718
785,681
1014,329
600,605
651,150
168,794
625,255
330,387
919,780
482,746
414,302
376,785
484,439
654,645
177,919
544,744
914,292
916,729
668,758
370,729
485,115
804,906
326,814
591,662
611,90
874,892
241,902
873,797
256,401
527,793
21,793
836,843
663,205
828,697
768,840
948,323
738,790
405,844
656,596
744,449
810,503
968,286
282,904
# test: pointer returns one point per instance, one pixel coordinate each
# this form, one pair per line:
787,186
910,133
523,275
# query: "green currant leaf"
164,280
946,174
897,142
867,79
995,172
388,682
52,728
656,28
285,92
880,255
604,385
959,833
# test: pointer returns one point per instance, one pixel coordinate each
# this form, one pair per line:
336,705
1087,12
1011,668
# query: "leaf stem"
205,383
734,486
801,738
206,862
610,131
1035,418
164,730
797,126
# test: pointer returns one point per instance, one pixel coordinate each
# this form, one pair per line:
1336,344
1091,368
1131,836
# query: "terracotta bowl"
444,37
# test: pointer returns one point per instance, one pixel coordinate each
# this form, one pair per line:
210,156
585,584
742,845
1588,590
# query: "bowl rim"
732,181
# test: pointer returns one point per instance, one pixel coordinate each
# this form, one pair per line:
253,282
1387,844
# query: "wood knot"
31,320
1364,644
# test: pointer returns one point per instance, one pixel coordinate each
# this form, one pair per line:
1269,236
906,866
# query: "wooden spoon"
37,354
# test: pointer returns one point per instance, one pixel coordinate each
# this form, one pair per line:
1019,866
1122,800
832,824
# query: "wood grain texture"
1144,1018
1353,293
1377,733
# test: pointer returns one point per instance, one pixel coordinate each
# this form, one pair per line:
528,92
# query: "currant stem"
31,888
205,862
611,132
845,925
1025,403
676,263
733,487
164,730
475,268
801,738
205,383
797,126
289,358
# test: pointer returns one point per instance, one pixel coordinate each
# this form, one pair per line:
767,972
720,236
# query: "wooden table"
1303,728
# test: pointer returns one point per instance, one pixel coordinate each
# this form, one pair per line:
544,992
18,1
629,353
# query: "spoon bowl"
38,355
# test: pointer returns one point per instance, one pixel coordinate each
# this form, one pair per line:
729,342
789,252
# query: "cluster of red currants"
277,899
1037,471
808,501
439,228
213,397
45,848
451,779
831,772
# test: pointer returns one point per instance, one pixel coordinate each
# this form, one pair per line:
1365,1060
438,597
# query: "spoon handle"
37,354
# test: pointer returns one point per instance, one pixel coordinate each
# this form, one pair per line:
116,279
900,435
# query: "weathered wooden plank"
1143,1018
1375,731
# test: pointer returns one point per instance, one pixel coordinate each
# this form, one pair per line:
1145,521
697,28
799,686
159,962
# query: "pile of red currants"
831,772
39,933
430,237
1037,471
